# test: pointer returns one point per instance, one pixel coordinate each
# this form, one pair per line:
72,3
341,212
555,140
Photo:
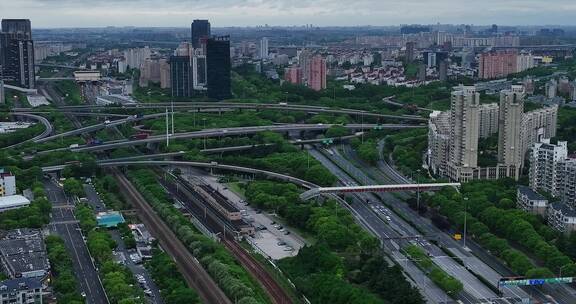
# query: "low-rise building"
24,257
561,217
531,201
21,291
13,202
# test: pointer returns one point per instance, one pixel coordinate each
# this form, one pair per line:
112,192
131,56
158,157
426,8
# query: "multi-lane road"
64,224
475,291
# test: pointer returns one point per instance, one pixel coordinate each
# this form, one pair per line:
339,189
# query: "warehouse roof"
13,201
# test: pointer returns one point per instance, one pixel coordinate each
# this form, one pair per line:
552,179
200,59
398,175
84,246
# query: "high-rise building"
200,30
468,121
551,88
293,75
488,113
17,53
2,93
317,78
135,58
410,51
464,124
524,62
304,58
199,71
510,126
165,81
538,125
544,159
181,84
263,48
218,67
439,142
443,70
21,27
497,64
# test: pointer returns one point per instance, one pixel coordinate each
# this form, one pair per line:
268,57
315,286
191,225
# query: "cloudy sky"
94,13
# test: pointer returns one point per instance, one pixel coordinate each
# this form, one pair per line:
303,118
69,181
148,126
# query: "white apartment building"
561,217
531,201
7,183
544,158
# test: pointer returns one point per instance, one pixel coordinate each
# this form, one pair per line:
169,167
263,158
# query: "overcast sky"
179,13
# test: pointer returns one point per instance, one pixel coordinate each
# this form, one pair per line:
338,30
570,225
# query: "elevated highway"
230,105
232,132
212,165
48,129
99,126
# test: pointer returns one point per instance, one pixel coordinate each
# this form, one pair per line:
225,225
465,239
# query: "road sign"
535,282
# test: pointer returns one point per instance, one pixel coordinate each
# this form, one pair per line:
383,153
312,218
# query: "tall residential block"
464,120
317,78
544,159
439,142
488,113
136,57
200,30
293,75
17,53
218,67
410,51
510,126
497,64
263,48
538,125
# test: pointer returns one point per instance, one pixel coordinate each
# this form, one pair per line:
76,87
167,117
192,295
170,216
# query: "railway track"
195,275
216,224
276,293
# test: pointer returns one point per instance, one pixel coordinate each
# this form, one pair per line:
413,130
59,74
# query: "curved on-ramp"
48,129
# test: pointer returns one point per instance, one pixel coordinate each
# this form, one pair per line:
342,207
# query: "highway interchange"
475,291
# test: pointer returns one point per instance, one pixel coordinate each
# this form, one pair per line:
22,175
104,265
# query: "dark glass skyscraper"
17,53
200,29
180,76
218,67
17,26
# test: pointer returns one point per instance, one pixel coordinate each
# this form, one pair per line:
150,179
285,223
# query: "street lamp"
418,191
465,212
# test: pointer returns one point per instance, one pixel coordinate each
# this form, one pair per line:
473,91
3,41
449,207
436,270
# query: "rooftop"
13,201
19,284
531,194
565,209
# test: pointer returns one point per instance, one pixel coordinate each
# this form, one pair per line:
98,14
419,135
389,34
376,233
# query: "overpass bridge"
232,132
100,126
255,106
376,188
20,89
61,66
211,165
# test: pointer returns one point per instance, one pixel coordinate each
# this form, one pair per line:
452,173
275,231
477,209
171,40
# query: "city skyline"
173,13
